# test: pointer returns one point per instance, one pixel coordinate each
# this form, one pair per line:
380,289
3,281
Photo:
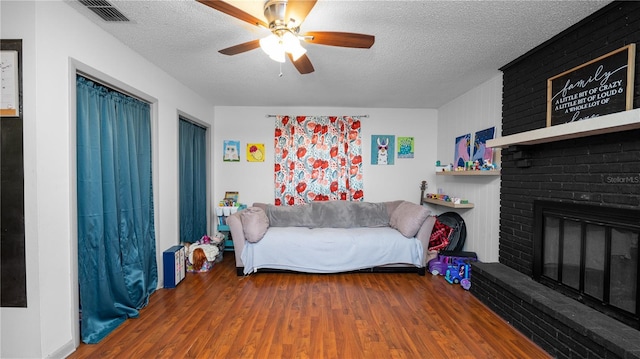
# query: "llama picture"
383,153
382,149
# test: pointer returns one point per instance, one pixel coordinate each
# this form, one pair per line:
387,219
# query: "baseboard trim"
63,352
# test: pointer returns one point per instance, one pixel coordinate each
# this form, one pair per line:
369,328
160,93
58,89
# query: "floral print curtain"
317,158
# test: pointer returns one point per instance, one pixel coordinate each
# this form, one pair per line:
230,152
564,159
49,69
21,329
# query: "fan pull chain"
280,75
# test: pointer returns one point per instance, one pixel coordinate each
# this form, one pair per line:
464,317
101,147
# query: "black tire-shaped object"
459,233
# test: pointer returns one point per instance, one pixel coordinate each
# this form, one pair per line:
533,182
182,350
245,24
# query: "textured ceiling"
426,53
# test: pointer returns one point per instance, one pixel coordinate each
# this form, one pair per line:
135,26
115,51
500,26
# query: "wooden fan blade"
233,11
299,9
343,39
240,48
303,64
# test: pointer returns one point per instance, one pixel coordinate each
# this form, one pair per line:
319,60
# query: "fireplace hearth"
590,253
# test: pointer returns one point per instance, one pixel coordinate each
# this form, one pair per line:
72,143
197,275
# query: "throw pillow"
254,223
408,218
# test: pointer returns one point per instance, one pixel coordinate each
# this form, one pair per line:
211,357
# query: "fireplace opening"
590,253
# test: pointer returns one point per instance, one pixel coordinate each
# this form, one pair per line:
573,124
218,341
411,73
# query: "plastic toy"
487,166
476,165
440,264
454,266
459,273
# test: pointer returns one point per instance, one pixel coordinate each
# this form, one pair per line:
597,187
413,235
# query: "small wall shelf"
615,122
469,173
446,203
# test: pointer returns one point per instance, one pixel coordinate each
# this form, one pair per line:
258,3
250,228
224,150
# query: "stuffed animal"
205,239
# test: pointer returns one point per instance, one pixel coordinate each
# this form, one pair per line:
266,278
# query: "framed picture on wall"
462,151
231,151
11,78
382,149
481,152
405,147
255,152
596,88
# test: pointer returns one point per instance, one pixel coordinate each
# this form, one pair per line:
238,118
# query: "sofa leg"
239,271
422,271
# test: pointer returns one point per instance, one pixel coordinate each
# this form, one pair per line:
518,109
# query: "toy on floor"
454,266
459,273
199,260
201,255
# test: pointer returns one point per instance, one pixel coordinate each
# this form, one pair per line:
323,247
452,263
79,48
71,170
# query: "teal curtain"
117,270
193,181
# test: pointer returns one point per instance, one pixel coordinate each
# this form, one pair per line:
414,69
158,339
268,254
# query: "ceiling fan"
283,20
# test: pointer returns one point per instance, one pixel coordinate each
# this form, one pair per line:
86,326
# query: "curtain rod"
365,116
110,86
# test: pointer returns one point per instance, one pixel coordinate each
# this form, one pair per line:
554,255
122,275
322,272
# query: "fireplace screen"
590,253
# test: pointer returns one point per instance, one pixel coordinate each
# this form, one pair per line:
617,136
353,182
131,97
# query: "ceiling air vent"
105,10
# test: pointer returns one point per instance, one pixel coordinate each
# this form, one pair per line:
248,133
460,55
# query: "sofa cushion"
347,214
329,214
289,216
254,223
392,205
408,217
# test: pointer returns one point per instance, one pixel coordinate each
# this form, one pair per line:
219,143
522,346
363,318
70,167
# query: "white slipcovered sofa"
332,237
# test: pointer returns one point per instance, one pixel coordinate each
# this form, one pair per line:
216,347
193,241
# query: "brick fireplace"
597,171
589,253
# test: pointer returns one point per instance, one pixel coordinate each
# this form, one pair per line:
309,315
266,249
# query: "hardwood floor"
292,315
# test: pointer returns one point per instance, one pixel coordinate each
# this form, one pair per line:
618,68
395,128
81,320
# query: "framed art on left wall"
13,269
11,78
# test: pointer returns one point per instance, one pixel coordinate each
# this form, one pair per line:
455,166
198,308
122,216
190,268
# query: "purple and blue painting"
463,151
481,152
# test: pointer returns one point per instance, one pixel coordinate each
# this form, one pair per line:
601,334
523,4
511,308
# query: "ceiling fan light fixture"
284,18
278,56
292,45
276,46
272,46
297,52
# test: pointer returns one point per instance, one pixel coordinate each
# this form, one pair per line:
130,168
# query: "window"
317,158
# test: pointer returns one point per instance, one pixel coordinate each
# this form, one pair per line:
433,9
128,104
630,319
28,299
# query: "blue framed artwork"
481,152
231,151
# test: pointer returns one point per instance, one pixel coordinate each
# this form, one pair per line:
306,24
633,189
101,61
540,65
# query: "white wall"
476,110
56,41
254,180
20,326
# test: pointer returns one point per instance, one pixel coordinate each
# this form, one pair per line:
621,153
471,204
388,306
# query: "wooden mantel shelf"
615,122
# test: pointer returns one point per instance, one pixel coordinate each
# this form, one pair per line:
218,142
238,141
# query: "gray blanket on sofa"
331,214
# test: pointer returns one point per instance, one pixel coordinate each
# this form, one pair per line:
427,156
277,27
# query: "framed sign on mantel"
599,87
